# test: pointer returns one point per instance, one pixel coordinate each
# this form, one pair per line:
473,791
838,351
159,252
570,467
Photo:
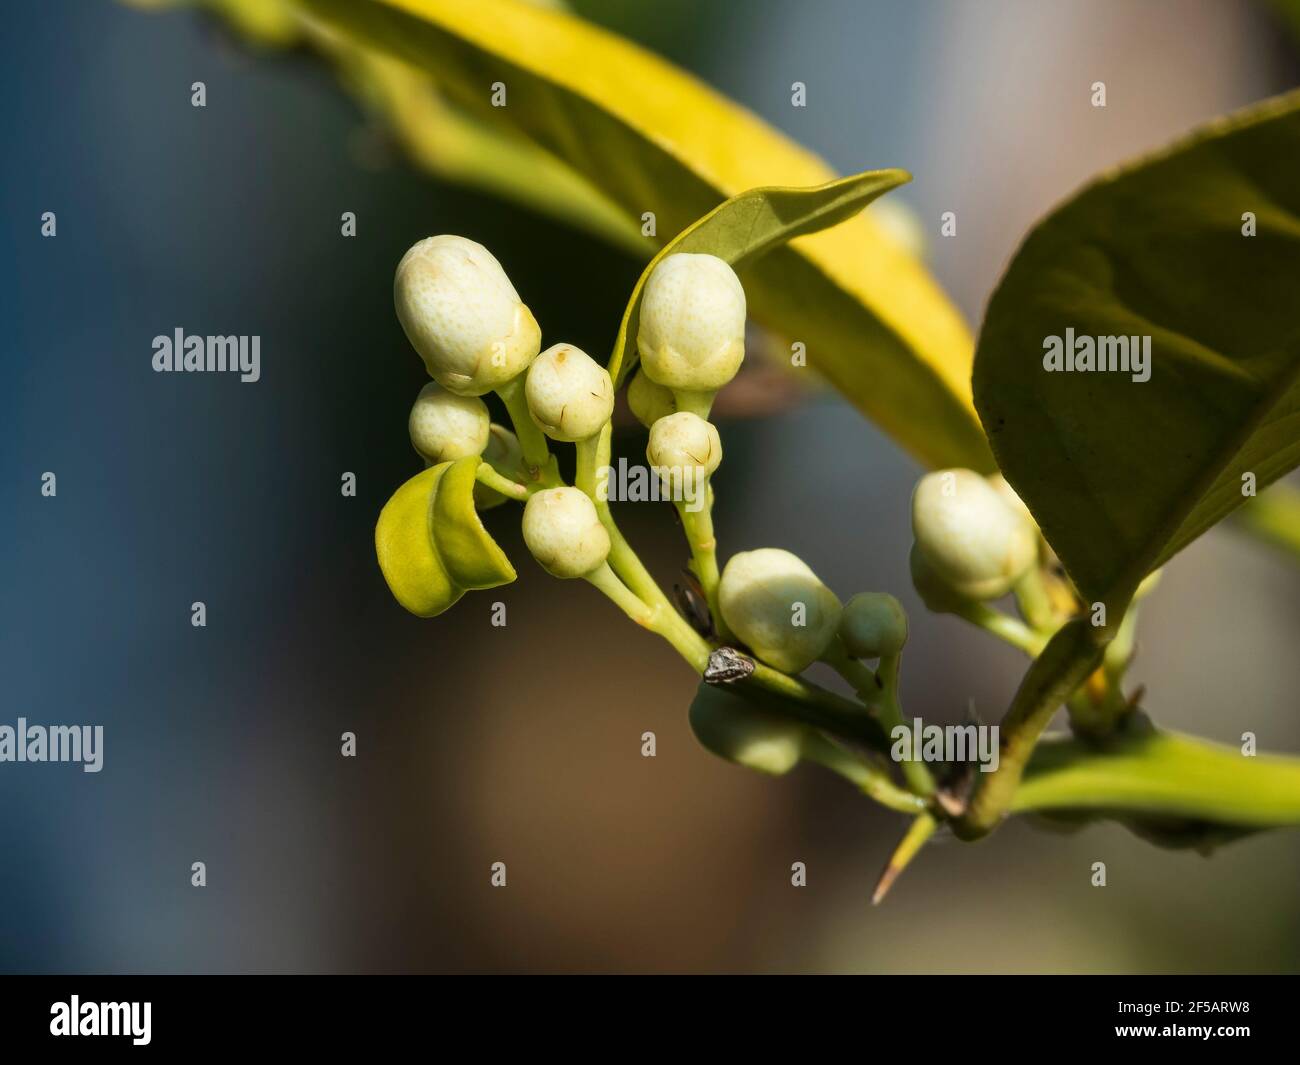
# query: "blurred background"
522,744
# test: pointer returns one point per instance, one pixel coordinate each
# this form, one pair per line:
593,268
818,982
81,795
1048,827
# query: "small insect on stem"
694,606
727,665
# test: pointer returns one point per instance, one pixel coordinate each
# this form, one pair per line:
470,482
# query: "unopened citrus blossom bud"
935,593
463,316
728,726
972,540
692,331
1010,497
775,603
564,533
504,455
649,401
873,625
684,442
570,395
445,426
1013,500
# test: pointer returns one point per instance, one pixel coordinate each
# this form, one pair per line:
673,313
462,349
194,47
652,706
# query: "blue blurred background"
523,745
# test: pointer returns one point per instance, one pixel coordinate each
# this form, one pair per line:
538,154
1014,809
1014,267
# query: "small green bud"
971,539
873,625
445,426
649,401
776,604
686,444
463,316
692,332
570,395
504,455
564,533
732,728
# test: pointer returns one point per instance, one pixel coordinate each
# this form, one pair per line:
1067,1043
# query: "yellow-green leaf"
747,227
1123,473
471,556
431,545
653,138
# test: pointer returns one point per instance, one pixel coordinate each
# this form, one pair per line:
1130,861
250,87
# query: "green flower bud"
686,444
692,331
873,625
445,426
649,401
570,395
463,316
505,456
732,728
776,604
564,533
971,539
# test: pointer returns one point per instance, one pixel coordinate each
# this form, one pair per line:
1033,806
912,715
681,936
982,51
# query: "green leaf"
1162,774
654,139
746,227
431,545
1123,474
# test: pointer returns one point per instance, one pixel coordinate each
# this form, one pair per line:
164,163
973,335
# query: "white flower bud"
873,625
444,426
776,604
564,533
934,592
505,456
728,726
570,395
649,401
1013,500
463,316
972,540
692,332
685,444
1010,497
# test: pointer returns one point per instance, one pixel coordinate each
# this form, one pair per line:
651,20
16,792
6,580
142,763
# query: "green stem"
698,403
819,707
588,463
622,558
698,526
1072,654
915,772
532,441
1004,627
605,579
878,691
1034,600
872,781
488,476
1162,774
